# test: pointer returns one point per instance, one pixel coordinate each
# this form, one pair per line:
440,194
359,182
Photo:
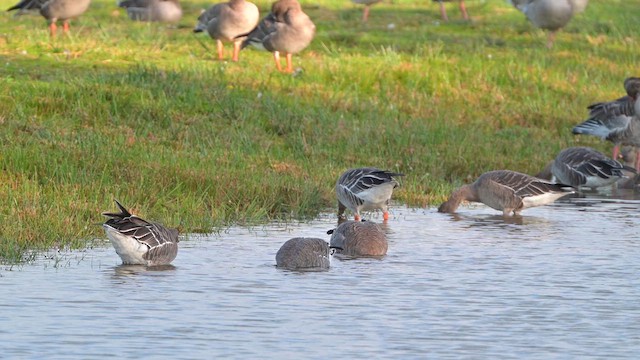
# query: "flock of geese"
286,29
138,241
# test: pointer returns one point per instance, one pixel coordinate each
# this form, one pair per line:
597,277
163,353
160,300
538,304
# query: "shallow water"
560,282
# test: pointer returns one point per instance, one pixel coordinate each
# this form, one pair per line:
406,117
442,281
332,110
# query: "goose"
364,189
26,6
443,10
617,120
139,242
367,5
153,10
358,239
54,10
304,254
286,29
507,191
228,22
585,167
550,15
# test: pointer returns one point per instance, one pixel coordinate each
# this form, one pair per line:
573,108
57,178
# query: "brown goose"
139,242
287,29
550,15
54,10
586,167
359,239
364,189
443,10
304,254
507,191
153,10
617,120
367,5
228,22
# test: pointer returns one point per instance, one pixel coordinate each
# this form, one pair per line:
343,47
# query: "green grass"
142,112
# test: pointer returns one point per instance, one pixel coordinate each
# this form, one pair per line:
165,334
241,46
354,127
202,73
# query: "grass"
142,113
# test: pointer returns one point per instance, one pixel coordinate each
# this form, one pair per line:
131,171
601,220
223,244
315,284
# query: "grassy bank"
141,112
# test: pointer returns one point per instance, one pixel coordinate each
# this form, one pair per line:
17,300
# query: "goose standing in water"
365,189
54,10
507,191
153,10
586,167
551,15
358,239
304,254
286,29
228,22
443,10
617,120
367,5
139,242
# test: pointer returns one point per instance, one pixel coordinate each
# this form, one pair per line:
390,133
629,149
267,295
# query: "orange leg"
356,217
65,27
52,29
616,152
276,57
289,63
236,50
220,49
385,215
464,10
365,13
443,12
551,39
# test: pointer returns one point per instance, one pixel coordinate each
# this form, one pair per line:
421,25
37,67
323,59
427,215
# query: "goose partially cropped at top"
367,7
286,29
139,242
443,10
365,189
227,22
26,6
359,239
551,15
304,254
583,167
507,191
55,10
617,121
153,10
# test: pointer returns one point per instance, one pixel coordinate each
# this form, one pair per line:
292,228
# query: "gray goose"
54,10
286,29
228,22
364,189
507,191
153,10
617,120
551,15
304,254
359,239
367,5
443,10
586,167
139,242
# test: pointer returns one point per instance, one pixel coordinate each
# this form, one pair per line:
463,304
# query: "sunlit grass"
142,112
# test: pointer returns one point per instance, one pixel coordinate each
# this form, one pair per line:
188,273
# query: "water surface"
562,281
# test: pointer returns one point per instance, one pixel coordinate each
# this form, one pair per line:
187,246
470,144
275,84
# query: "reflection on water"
558,281
128,270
